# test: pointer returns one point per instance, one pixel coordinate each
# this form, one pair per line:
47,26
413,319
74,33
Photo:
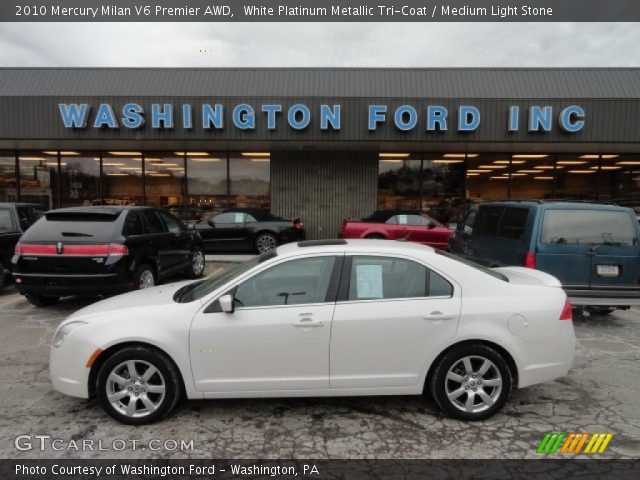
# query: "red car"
398,224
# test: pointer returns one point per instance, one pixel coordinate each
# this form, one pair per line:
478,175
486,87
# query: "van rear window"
578,226
61,226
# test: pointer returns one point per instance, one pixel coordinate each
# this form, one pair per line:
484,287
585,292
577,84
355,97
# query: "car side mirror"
226,303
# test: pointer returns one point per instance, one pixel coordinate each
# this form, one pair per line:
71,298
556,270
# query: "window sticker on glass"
239,218
402,219
369,281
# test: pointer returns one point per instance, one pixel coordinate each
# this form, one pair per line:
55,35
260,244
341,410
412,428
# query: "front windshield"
197,290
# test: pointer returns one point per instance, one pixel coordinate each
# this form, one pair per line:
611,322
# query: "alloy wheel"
473,384
135,388
266,243
197,263
146,279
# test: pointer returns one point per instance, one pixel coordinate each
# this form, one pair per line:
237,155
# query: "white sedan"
322,318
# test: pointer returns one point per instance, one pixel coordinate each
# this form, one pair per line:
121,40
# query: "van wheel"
471,382
42,300
138,385
144,277
196,268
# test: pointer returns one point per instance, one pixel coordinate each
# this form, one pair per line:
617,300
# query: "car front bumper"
68,368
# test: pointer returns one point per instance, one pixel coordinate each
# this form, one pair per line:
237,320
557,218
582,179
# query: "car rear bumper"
549,358
609,298
80,284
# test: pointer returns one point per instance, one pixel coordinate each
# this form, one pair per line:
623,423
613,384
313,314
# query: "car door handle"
307,322
437,315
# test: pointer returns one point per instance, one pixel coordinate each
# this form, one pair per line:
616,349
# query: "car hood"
146,300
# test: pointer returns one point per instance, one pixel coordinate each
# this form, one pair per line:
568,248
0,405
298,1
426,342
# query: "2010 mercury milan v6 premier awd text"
322,318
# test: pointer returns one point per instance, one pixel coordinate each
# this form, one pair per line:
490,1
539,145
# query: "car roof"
20,204
555,203
106,209
363,246
257,213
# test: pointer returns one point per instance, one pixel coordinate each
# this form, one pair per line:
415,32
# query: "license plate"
607,270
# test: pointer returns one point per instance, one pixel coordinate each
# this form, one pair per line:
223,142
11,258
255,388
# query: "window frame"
345,279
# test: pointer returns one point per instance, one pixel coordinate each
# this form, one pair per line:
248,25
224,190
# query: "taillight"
298,225
566,311
530,260
117,250
16,249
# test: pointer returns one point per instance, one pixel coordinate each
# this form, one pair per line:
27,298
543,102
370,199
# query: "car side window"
469,219
172,224
153,224
250,218
230,217
6,222
36,214
375,278
393,220
24,218
295,282
488,220
132,224
513,223
417,220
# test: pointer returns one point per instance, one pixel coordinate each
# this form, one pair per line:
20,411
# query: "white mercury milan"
322,318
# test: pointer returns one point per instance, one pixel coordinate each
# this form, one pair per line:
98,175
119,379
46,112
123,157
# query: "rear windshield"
469,263
576,226
75,227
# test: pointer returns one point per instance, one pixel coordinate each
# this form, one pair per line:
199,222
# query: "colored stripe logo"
574,443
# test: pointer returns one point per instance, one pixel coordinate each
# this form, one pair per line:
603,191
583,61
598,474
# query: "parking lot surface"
601,394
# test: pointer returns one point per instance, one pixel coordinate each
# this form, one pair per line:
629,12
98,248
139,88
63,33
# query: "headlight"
61,334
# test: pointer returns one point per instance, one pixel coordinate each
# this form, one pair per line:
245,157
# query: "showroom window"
38,176
620,180
164,182
577,177
8,182
79,179
207,184
399,181
122,178
249,180
532,176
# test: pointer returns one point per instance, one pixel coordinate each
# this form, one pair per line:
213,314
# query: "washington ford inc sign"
243,116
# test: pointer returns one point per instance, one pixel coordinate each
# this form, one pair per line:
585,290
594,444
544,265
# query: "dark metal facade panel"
323,188
325,82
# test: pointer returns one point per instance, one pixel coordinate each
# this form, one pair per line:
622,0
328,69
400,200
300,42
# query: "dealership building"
321,144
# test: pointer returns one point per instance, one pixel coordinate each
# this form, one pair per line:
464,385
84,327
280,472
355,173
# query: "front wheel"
265,242
138,385
42,300
471,382
196,268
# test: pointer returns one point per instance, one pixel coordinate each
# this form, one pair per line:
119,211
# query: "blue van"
593,249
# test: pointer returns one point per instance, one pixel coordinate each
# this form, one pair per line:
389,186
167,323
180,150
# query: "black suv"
15,218
101,251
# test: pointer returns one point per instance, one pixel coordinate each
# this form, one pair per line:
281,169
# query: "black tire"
42,300
2,277
141,277
264,242
601,310
167,375
375,236
440,385
191,272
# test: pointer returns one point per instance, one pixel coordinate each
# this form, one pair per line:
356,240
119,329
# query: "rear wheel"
196,269
144,277
471,382
42,300
138,385
265,242
375,236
